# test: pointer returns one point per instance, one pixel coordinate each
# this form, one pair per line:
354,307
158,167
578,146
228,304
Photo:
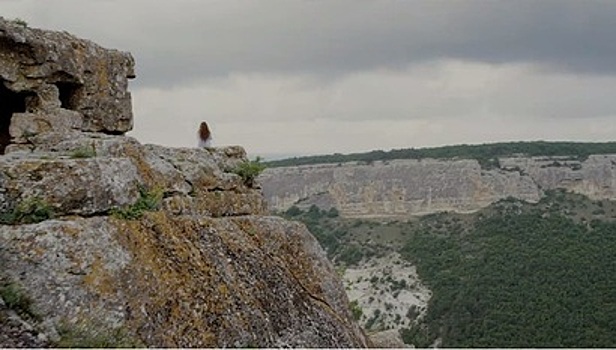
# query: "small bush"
83,152
333,213
16,300
356,310
417,335
351,255
293,211
20,22
372,320
86,335
249,171
28,211
149,200
6,219
598,212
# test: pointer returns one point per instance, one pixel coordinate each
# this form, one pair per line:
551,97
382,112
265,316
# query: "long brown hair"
204,131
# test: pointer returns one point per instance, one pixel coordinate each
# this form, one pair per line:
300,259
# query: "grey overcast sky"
324,76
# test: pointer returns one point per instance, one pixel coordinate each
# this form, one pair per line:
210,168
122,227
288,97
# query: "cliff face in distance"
396,188
107,242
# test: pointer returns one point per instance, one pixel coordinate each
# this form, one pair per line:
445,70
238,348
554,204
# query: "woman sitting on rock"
205,136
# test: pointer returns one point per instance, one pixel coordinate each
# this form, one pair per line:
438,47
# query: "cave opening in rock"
10,102
68,94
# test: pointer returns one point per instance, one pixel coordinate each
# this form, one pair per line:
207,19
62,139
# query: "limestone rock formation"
53,81
415,187
107,242
183,281
594,177
390,339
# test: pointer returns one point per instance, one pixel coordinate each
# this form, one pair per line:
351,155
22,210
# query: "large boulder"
53,81
184,281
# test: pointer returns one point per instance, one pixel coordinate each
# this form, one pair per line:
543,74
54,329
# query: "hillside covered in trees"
514,274
520,276
484,153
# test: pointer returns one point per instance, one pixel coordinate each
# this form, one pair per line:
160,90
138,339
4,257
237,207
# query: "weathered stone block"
26,125
47,73
71,186
218,204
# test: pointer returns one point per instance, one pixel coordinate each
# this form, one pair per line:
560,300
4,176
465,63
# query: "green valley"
514,274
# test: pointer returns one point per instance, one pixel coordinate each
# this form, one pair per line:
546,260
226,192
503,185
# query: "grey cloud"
179,41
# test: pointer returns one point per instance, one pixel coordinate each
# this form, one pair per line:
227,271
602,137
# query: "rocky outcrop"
184,281
594,177
390,339
415,187
389,292
53,81
114,244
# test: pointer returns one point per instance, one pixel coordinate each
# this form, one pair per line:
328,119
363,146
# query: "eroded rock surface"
415,187
388,291
185,281
105,242
53,81
15,332
390,339
210,269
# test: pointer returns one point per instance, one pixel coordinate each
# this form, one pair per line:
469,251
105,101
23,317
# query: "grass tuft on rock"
85,335
29,211
16,299
83,152
149,200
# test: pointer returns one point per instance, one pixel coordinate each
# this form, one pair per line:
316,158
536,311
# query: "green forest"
514,274
486,154
522,276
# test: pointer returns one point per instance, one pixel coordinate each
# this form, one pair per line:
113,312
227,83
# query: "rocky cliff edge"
107,242
399,188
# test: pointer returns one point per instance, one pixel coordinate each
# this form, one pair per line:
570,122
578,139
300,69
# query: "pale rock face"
58,256
415,187
181,281
394,188
370,286
595,177
196,181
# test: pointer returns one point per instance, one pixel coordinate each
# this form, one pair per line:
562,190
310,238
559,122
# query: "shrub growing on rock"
29,211
249,171
16,300
149,200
